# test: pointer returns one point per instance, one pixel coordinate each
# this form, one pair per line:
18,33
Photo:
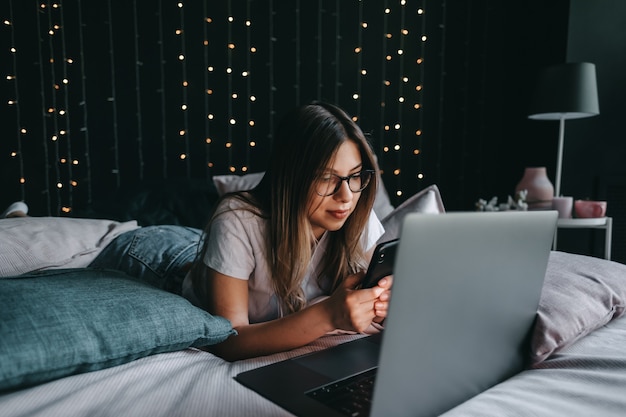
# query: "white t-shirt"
236,247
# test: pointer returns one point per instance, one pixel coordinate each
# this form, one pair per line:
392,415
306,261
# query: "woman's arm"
345,309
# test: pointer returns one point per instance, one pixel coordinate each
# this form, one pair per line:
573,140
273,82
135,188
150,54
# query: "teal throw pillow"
62,322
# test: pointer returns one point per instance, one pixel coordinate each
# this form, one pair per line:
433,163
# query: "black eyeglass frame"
371,172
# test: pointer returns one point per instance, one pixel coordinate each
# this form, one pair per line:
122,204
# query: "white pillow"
231,183
34,243
580,294
427,200
382,204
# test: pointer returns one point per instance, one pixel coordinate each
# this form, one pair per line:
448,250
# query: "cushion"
382,203
231,183
33,243
427,200
63,322
580,294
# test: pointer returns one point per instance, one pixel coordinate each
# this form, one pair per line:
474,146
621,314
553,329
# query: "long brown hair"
305,143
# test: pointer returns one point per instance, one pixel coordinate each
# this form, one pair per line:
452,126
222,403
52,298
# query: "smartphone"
381,264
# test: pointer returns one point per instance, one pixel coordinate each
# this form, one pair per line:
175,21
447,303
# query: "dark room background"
99,96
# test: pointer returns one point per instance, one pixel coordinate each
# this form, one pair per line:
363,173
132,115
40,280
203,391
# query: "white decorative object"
517,203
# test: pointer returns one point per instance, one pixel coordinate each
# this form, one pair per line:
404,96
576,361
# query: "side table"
605,223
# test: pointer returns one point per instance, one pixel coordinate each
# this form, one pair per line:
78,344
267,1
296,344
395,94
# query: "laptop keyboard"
351,396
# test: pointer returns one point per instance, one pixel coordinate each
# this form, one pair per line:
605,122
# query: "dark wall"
595,148
135,65
493,51
478,71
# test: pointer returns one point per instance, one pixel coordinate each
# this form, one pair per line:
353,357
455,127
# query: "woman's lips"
339,214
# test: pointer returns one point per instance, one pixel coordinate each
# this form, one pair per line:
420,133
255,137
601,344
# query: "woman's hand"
381,306
355,310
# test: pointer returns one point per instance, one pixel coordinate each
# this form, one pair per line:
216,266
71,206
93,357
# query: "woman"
282,260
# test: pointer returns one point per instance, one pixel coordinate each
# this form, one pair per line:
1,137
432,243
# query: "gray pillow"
63,322
427,200
580,294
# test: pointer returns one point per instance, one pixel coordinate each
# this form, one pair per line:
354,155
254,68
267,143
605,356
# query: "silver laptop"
464,300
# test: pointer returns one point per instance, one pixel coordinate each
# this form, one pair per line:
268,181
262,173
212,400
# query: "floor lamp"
565,91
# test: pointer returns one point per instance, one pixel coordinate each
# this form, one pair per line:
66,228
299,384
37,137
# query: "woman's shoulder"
237,206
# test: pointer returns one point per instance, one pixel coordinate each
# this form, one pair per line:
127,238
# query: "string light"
17,155
185,84
64,114
247,75
362,72
161,89
400,105
116,150
418,105
297,43
241,73
138,65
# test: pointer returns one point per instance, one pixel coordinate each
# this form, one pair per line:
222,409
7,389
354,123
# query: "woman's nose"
344,193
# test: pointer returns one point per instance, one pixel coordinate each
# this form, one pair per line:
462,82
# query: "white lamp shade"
566,91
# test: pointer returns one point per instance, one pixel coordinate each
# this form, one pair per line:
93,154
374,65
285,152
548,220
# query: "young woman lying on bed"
280,261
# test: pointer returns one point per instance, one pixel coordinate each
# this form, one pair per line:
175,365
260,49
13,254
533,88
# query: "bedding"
588,378
37,243
577,363
580,294
427,201
584,374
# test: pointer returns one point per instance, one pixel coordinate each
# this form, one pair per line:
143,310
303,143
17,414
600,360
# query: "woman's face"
331,212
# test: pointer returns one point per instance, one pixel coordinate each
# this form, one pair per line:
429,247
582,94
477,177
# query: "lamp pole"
559,160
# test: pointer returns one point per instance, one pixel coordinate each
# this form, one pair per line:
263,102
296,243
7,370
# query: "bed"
81,342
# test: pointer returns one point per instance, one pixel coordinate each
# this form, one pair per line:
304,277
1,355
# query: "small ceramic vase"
540,189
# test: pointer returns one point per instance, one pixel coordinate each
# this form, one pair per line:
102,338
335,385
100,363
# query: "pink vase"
540,190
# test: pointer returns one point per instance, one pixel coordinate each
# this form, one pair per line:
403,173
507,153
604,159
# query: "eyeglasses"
328,184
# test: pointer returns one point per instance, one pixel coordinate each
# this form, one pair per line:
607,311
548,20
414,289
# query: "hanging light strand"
249,86
83,103
16,99
138,64
183,66
113,99
298,63
229,76
53,114
161,91
272,87
44,123
383,86
359,58
320,37
207,95
420,99
337,49
67,120
400,101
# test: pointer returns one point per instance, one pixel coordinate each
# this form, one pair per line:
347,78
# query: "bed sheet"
587,378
